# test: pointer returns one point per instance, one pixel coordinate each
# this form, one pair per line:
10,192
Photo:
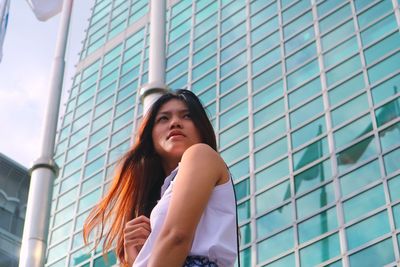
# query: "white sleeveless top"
216,233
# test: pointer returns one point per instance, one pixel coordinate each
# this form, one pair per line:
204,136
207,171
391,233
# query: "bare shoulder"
203,158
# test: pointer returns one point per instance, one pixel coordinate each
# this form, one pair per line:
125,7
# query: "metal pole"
156,86
44,169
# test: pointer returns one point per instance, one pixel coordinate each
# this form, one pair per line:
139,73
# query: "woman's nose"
176,122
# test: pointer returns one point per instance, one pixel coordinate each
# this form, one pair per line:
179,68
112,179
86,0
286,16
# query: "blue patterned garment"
199,261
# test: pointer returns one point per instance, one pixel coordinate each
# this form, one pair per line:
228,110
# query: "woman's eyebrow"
168,112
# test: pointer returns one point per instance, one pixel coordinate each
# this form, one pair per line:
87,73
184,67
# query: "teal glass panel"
233,115
341,52
199,42
270,132
294,10
315,200
383,47
182,41
288,260
57,251
73,165
242,189
121,135
123,120
263,15
86,95
76,150
61,232
301,56
64,215
267,76
305,92
269,41
203,53
271,152
233,34
181,17
394,189
233,64
236,151
93,68
272,174
376,255
177,70
363,203
117,152
265,29
92,182
124,105
306,112
230,9
233,49
181,29
346,89
204,9
269,113
333,19
385,89
256,5
78,135
89,200
204,82
390,137
103,107
396,215
360,177
102,120
317,225
233,80
308,132
327,6
245,234
299,23
275,220
349,110
204,67
240,169
245,257
391,161
356,153
99,135
352,131
106,92
310,153
178,56
266,60
275,245
384,68
388,112
378,30
97,150
367,230
102,261
302,74
313,176
243,211
180,82
79,256
233,133
320,251
299,40
273,197
70,181
127,90
268,95
233,20
233,97
337,35
207,96
343,70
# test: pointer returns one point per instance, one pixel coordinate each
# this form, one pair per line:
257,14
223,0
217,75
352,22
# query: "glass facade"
304,97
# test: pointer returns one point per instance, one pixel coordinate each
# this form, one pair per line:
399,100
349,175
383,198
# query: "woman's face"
174,131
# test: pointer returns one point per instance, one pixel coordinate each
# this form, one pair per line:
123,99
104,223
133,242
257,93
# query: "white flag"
4,8
45,9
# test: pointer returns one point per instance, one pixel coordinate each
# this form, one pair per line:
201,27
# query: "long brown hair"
138,179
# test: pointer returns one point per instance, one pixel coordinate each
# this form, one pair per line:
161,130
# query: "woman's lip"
175,135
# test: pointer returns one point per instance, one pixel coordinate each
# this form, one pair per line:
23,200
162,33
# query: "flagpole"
44,169
156,86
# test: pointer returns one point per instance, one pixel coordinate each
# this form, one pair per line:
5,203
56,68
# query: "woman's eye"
163,118
187,116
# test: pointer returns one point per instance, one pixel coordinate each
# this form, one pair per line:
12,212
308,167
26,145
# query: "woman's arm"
136,233
200,170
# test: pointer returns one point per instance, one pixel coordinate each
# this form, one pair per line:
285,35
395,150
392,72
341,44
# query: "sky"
25,69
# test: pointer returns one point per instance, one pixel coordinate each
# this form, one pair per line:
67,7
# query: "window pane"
341,52
388,112
353,131
295,25
308,132
377,51
342,32
313,176
304,93
363,203
300,57
269,133
391,161
233,97
394,190
378,30
268,95
235,151
349,110
271,152
376,255
310,153
306,112
386,89
303,74
269,113
367,230
335,18
272,174
275,220
390,137
384,68
272,197
321,223
320,251
233,115
315,200
242,189
343,70
275,245
233,133
346,89
299,40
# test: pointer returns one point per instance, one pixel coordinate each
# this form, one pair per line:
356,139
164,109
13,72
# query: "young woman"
172,201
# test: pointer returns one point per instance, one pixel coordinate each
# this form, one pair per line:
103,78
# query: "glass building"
304,97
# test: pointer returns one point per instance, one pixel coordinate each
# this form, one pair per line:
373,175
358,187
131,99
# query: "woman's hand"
136,233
